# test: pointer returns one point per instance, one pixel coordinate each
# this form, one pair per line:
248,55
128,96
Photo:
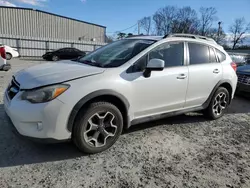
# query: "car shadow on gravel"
16,150
240,105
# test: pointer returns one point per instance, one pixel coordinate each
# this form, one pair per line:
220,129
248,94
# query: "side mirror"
154,65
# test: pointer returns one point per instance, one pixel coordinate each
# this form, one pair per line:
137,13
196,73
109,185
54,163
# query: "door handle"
216,71
182,76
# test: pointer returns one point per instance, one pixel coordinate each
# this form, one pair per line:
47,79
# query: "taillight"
234,66
2,52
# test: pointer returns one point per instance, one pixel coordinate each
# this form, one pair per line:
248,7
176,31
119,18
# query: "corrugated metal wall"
36,47
34,23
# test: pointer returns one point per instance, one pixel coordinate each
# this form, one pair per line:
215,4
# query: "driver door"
164,91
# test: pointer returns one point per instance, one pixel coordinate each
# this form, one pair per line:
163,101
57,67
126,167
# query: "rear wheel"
8,56
218,104
98,127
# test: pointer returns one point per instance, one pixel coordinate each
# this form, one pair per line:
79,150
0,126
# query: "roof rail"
129,36
190,36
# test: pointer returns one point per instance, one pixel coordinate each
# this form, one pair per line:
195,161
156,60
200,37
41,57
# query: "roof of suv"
148,37
183,36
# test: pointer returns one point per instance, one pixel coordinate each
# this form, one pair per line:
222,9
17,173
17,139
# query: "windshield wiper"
87,62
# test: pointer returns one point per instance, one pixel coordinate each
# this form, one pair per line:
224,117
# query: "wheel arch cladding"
102,95
229,89
223,83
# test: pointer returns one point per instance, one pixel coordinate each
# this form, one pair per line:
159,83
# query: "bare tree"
213,33
164,18
109,39
186,21
208,16
145,23
238,29
158,24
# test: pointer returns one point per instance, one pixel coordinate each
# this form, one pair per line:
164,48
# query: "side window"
172,53
212,55
61,50
75,50
69,51
139,65
221,56
198,54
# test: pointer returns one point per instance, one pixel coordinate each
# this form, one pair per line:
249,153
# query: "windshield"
116,53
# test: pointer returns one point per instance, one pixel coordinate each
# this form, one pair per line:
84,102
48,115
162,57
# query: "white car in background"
3,64
10,52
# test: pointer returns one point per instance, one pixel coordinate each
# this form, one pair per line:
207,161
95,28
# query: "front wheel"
218,104
98,127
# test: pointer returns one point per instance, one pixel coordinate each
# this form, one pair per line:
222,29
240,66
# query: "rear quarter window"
212,55
221,55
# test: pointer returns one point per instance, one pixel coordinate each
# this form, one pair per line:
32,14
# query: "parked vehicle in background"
243,73
63,53
126,82
248,60
10,52
3,63
240,60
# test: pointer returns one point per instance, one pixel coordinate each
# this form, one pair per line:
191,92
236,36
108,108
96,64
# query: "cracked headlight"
44,94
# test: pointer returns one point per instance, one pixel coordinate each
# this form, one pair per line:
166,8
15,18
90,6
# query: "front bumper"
41,121
15,53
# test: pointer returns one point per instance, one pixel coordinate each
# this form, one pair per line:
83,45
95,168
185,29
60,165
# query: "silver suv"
130,81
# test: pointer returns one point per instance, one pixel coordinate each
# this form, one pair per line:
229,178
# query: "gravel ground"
183,151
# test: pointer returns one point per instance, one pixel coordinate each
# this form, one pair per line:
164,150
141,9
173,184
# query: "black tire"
81,125
8,56
6,67
209,112
55,58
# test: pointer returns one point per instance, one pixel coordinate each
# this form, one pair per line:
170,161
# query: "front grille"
244,79
13,88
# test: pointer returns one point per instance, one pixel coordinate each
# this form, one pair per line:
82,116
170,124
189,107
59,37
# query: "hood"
244,69
52,73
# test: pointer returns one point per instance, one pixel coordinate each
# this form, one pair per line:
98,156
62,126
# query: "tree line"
171,19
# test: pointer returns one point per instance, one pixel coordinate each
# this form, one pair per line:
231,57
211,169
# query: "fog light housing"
39,126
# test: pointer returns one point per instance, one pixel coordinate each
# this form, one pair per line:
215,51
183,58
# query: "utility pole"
219,31
138,27
219,28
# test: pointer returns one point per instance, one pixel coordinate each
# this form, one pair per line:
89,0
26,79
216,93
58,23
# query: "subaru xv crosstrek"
91,100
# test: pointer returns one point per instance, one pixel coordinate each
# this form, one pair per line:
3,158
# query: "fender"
207,102
91,96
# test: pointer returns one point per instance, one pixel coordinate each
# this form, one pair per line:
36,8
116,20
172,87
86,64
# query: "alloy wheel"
55,58
101,127
219,104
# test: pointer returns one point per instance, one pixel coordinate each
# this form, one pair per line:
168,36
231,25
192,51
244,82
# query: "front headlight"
44,94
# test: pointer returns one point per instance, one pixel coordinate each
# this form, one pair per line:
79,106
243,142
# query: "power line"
124,29
137,24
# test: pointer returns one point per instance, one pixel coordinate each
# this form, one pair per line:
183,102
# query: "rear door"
76,53
204,73
68,53
61,53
